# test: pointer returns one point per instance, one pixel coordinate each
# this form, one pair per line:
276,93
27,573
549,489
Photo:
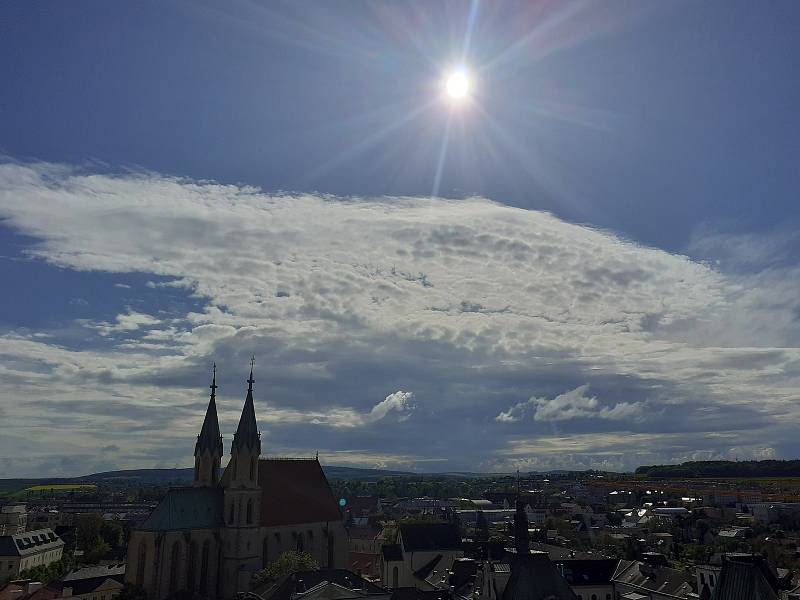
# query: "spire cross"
250,381
213,385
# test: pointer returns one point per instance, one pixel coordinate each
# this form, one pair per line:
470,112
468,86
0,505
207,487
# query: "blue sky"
590,263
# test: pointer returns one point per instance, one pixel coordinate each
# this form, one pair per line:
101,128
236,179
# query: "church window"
300,543
395,578
249,512
213,472
230,516
265,551
191,567
140,565
252,468
594,596
204,568
174,567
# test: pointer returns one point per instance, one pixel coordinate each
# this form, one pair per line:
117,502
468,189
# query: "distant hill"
181,476
723,468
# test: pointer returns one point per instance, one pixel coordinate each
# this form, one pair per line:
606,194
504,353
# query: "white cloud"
130,321
399,402
571,405
474,305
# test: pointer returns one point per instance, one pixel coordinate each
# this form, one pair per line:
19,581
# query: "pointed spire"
247,436
521,541
210,438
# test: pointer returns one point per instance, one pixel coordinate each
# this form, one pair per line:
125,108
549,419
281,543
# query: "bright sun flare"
457,85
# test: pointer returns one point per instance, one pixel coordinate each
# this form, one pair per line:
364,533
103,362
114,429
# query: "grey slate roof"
745,578
430,536
664,580
85,581
29,542
534,577
247,435
210,438
392,552
187,508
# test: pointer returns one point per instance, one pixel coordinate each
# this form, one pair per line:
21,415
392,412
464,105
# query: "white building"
28,549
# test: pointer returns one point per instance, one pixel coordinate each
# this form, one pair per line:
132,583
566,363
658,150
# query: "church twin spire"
246,436
210,438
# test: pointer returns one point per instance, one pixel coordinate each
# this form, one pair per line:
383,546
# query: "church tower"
208,448
243,500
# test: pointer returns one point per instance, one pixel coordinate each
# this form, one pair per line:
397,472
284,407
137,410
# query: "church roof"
247,435
209,438
295,491
187,508
534,577
745,577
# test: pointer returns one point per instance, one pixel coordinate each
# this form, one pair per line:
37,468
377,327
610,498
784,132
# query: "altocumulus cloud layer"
403,332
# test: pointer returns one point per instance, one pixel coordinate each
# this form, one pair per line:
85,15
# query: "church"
209,539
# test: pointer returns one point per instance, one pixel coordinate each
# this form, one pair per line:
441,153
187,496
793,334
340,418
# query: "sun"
457,85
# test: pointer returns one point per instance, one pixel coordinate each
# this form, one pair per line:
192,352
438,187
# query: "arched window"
594,596
249,512
265,551
174,567
394,577
230,515
204,567
252,468
300,542
212,475
191,567
141,563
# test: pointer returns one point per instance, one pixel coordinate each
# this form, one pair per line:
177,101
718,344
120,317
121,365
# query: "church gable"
295,491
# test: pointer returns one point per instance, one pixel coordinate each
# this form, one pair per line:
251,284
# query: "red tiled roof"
295,491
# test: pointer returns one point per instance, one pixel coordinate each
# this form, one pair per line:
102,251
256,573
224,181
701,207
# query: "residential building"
650,579
13,519
94,583
422,555
28,549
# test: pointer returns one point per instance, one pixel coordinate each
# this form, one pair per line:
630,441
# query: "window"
594,596
174,567
141,563
230,515
249,512
265,551
711,580
204,567
252,468
190,568
395,578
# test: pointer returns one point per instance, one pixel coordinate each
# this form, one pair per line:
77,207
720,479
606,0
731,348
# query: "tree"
288,562
131,592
